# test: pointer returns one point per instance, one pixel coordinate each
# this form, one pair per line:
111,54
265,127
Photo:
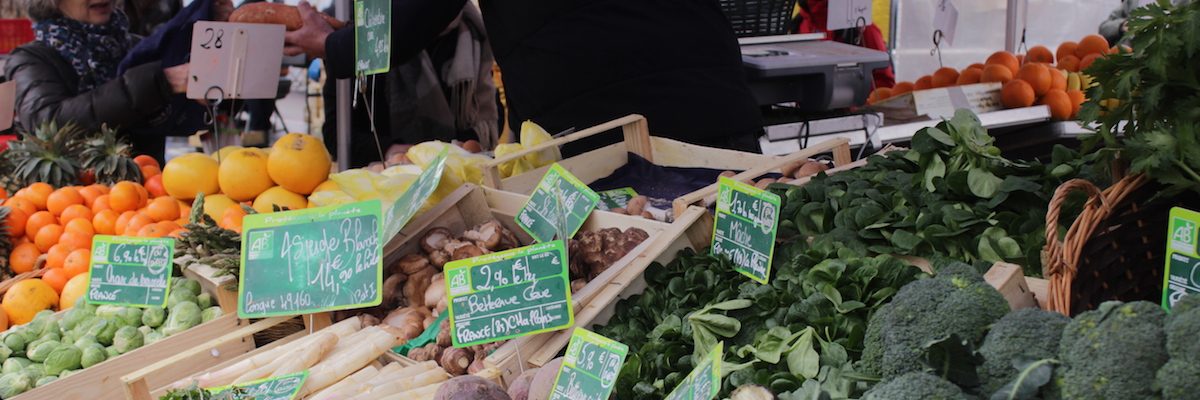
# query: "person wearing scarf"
69,73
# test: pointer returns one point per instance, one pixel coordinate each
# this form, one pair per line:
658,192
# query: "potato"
790,168
762,183
728,174
637,205
519,389
811,168
543,382
470,387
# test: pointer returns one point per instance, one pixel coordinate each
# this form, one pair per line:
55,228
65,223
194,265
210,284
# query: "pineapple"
47,155
110,158
6,245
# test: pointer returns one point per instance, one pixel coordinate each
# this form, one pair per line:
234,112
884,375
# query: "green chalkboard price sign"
746,223
130,271
411,201
509,294
284,387
372,36
1183,261
589,368
616,198
705,380
540,216
311,260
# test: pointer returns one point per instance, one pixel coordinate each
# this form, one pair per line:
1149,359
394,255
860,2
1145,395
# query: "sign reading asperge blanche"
705,380
372,36
130,271
311,260
509,294
284,387
745,228
616,198
541,216
589,368
1183,258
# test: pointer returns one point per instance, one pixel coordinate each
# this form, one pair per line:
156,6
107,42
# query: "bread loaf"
273,13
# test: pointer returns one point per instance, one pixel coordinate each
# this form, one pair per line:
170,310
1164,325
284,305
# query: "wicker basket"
1113,250
751,18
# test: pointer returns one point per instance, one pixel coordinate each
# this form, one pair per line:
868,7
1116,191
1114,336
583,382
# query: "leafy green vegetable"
154,317
181,317
13,384
65,357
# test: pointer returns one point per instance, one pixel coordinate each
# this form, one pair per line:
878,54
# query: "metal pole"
1013,24
341,11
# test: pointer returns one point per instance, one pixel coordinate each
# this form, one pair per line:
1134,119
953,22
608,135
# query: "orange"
90,193
188,174
163,209
144,160
101,204
1077,99
149,171
278,196
24,299
232,219
1059,103
978,66
77,262
47,236
299,162
104,222
1091,44
15,224
1066,49
37,221
73,291
155,187
969,76
1087,61
996,73
38,192
21,203
23,258
1039,54
185,210
75,211
60,199
56,278
124,197
136,223
1005,59
899,89
881,94
103,189
243,174
1069,62
57,256
123,222
80,225
143,195
151,231
1038,77
944,76
1058,79
922,83
75,240
1016,94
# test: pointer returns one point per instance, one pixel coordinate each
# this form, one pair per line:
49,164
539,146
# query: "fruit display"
1039,77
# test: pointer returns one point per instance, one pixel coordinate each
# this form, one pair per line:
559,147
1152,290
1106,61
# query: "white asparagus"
421,393
347,387
403,372
309,355
351,342
334,368
225,376
397,386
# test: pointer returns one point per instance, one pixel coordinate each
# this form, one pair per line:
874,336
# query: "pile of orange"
59,224
1037,77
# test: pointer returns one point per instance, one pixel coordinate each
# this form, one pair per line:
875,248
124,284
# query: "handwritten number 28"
214,39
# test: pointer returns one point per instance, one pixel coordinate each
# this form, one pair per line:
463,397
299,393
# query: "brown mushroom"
465,252
577,285
439,258
393,290
435,239
412,263
487,234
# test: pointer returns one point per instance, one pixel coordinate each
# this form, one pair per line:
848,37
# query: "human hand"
177,77
221,9
310,38
1125,26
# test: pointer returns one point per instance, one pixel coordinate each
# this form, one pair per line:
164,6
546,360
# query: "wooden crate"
596,164
103,381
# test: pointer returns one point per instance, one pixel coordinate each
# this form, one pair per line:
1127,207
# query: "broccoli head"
1029,334
1113,352
1178,378
955,302
915,386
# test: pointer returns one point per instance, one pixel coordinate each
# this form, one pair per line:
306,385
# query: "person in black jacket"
69,72
578,63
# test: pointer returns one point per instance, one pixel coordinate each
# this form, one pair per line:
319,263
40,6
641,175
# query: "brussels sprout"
71,318
153,317
182,316
152,337
66,373
42,350
92,355
55,336
13,384
41,322
15,341
35,371
110,352
104,329
83,325
45,380
109,311
180,296
85,341
127,339
5,352
187,285
131,316
204,300
63,358
210,314
14,364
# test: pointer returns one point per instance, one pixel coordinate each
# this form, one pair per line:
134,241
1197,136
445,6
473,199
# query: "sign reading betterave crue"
130,271
705,380
284,387
1183,257
746,223
509,294
589,368
372,36
541,216
311,260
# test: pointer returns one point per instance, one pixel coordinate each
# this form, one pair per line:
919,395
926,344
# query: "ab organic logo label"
1183,236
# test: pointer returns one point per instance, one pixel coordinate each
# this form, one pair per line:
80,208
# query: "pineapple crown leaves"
48,154
110,157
